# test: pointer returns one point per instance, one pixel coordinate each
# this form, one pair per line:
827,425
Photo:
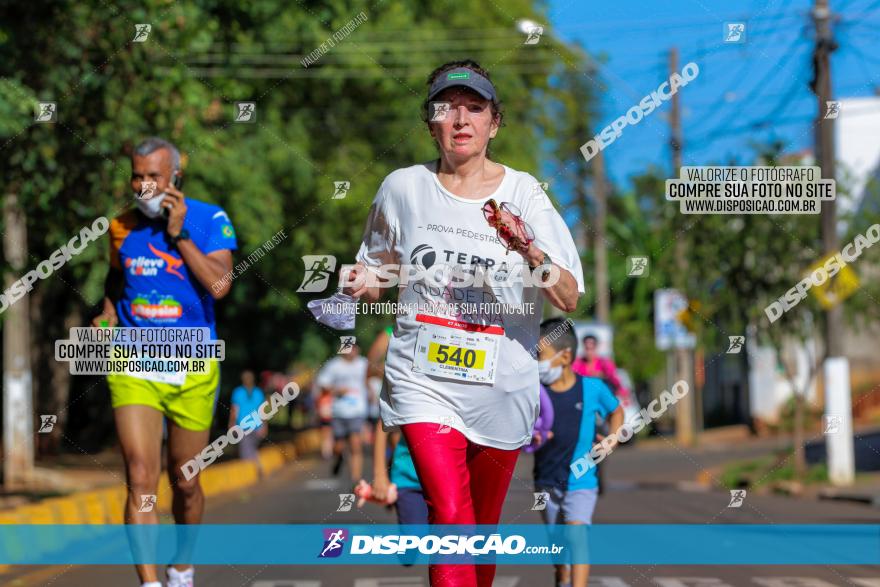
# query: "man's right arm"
113,285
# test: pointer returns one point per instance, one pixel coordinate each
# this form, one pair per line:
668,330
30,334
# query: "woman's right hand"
356,286
355,279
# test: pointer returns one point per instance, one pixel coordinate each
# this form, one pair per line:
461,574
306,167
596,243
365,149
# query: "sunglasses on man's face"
517,238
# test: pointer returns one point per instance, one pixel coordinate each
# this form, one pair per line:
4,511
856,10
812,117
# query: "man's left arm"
209,268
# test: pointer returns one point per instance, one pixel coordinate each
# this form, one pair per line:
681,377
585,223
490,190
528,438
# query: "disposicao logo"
334,542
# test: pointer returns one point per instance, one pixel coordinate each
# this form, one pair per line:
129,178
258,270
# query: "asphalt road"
305,492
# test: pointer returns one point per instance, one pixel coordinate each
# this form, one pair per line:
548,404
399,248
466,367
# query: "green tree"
352,116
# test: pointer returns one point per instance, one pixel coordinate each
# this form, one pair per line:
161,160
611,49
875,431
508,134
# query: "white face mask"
549,375
151,208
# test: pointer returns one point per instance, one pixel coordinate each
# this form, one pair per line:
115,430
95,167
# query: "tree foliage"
352,116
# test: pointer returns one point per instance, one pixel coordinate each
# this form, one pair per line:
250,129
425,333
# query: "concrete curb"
705,479
870,499
106,505
681,486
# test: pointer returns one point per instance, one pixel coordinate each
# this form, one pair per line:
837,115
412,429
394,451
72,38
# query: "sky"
756,91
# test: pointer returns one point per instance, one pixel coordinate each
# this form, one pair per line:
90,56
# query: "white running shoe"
180,578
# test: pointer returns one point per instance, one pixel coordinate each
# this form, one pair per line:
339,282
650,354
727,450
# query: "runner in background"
375,375
345,378
324,410
543,429
166,256
410,503
464,388
400,486
577,403
246,399
406,496
592,365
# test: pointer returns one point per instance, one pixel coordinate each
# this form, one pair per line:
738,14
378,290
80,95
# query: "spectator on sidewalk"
246,399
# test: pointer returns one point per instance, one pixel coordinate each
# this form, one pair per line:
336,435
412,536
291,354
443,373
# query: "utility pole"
685,429
841,468
598,220
18,410
600,245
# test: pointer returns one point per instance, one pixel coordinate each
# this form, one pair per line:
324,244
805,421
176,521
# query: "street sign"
669,330
835,289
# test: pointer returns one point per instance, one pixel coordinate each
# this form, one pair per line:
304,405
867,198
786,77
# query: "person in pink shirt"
592,365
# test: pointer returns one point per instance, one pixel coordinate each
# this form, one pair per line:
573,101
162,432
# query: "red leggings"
464,483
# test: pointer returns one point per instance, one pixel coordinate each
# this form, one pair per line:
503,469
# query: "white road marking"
389,582
321,484
791,582
690,582
601,581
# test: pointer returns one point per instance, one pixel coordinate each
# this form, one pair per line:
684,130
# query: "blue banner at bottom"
522,544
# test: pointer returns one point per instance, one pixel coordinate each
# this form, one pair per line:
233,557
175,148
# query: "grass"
769,470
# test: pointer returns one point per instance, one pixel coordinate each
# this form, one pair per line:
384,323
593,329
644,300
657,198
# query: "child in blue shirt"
576,400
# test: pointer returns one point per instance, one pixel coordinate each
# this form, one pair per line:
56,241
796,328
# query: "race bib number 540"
453,349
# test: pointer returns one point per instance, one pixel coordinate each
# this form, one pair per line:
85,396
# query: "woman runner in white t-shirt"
461,379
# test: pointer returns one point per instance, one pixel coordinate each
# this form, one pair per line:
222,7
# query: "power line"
752,127
673,23
853,18
402,58
862,59
367,37
335,73
790,54
746,65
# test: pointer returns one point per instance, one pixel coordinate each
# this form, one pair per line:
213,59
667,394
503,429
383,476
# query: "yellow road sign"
835,289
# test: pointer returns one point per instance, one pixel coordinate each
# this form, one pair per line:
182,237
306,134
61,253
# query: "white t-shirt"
340,373
467,367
